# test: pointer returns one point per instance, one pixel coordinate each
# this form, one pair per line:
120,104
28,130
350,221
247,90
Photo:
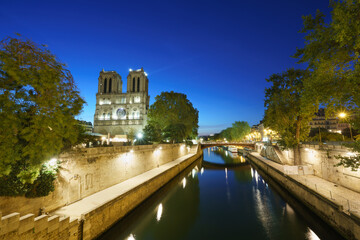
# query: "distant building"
332,124
117,112
86,125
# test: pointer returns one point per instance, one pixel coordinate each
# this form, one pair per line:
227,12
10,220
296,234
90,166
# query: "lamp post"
343,115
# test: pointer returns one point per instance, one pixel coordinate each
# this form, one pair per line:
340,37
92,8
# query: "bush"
12,185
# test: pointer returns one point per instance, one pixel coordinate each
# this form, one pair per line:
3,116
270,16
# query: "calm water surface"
219,204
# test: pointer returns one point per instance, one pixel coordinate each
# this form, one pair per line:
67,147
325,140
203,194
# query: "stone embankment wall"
101,218
107,166
30,227
320,159
347,224
89,170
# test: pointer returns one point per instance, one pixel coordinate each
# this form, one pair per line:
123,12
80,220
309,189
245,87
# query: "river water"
220,203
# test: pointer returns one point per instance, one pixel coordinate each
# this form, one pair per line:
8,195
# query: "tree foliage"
236,132
226,134
352,161
287,112
38,102
174,115
239,130
332,53
152,134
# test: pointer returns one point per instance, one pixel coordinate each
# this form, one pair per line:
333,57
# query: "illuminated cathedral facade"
118,113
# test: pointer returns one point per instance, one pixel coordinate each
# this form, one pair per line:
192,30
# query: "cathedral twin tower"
117,112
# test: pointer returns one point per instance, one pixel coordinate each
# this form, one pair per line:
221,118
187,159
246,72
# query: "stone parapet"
16,227
86,171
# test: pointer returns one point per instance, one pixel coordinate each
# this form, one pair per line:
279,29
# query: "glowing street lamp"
140,135
343,115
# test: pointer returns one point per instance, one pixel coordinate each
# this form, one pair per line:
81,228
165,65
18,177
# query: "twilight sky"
217,52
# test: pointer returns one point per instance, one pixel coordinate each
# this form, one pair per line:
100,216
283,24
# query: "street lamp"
343,115
140,135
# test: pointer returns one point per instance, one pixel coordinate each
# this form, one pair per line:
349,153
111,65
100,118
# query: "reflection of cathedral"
117,112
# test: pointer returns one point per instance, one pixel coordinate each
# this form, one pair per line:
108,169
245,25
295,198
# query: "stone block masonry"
101,210
345,221
146,169
89,170
29,227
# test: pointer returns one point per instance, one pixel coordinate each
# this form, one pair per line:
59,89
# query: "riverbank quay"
336,205
88,217
101,210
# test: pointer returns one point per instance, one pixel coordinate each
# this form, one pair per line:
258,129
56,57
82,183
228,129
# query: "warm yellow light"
159,212
342,115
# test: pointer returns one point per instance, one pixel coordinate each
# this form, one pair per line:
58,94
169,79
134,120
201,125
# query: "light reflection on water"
215,204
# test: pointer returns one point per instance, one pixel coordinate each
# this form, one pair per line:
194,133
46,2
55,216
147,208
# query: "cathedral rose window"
121,113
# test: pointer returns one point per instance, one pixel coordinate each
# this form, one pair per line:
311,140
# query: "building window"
138,85
123,100
105,85
110,83
136,99
133,85
137,115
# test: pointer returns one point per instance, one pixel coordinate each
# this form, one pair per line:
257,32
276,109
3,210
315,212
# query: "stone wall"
319,159
14,226
322,159
101,218
347,224
89,170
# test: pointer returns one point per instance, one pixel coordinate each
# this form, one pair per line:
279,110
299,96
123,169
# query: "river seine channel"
207,202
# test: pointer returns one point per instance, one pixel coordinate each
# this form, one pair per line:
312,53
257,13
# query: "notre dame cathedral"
117,112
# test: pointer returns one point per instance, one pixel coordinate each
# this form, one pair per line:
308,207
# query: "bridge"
217,144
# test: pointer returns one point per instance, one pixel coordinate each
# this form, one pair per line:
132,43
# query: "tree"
175,132
352,161
131,136
239,130
226,134
152,134
332,52
315,131
169,111
38,103
287,112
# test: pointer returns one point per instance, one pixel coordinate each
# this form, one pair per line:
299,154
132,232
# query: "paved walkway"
350,200
87,204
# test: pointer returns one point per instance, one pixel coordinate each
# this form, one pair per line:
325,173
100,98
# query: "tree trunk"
297,157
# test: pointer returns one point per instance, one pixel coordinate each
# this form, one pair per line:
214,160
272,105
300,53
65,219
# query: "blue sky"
219,53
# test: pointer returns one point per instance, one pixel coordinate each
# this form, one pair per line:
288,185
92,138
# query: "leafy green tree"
226,134
315,131
239,130
332,52
287,112
152,134
38,102
174,115
175,132
353,161
131,136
